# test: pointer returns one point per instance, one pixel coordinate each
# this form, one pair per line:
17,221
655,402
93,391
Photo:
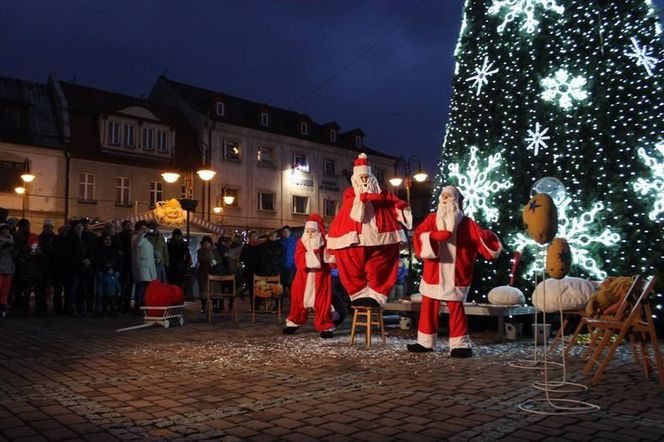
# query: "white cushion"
506,295
569,293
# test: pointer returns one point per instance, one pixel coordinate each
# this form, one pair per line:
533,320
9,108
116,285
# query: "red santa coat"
381,215
448,264
311,288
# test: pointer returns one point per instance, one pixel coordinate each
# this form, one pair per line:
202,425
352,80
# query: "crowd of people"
87,273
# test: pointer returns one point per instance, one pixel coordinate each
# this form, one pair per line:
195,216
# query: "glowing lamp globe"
396,182
550,186
206,174
216,210
420,177
170,177
27,177
20,190
229,199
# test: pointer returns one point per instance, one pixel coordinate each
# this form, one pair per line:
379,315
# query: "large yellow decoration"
540,218
169,213
558,258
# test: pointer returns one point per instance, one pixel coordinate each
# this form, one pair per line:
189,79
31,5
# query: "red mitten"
363,197
440,235
400,205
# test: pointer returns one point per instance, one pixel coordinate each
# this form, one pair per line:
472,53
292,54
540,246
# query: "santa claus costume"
365,235
448,242
312,284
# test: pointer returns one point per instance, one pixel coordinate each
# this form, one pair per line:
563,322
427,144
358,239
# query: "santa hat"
315,222
455,193
361,165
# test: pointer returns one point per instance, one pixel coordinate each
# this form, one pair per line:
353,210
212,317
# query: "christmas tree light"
655,185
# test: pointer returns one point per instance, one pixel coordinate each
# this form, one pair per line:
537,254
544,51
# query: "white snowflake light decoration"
656,184
481,74
576,232
536,139
563,88
642,56
476,187
526,8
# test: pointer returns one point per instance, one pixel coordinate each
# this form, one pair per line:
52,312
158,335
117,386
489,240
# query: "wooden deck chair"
638,326
615,312
276,279
221,282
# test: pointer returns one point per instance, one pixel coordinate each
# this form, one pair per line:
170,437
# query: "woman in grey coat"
142,265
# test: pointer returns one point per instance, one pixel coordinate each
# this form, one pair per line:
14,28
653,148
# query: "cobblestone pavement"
78,379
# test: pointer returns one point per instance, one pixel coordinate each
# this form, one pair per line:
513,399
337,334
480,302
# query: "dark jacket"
271,256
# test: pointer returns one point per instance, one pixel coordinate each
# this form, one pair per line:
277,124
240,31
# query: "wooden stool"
370,316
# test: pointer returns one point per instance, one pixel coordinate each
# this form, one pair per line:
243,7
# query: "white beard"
448,216
313,243
371,186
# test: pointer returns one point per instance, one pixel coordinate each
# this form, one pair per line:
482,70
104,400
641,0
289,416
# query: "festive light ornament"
526,8
537,138
481,74
540,218
476,187
558,258
642,56
552,187
564,89
580,239
656,184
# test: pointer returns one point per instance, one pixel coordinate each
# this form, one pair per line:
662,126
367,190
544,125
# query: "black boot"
417,348
290,330
461,352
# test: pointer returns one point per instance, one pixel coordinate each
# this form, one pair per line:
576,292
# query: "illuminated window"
230,150
265,156
300,162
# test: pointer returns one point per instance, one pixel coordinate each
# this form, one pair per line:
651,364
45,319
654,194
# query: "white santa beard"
313,242
371,185
448,216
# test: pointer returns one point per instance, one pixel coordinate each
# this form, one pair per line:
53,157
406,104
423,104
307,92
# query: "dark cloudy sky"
382,65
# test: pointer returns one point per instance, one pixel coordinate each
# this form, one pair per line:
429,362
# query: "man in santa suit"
448,242
365,235
312,285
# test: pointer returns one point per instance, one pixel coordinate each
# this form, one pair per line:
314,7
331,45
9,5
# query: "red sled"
163,303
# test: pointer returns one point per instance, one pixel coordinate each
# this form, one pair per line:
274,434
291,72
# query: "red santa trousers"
322,302
368,271
427,328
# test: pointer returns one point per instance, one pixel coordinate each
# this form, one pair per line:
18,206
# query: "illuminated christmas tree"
570,90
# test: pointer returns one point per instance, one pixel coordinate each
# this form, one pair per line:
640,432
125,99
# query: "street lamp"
407,166
27,178
223,200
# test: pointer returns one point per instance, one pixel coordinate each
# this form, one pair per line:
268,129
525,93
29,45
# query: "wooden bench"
471,309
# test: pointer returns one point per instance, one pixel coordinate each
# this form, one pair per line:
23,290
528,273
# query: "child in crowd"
110,290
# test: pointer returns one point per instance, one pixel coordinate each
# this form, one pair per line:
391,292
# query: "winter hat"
361,165
315,222
177,232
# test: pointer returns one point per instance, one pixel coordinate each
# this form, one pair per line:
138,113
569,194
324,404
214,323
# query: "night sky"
384,66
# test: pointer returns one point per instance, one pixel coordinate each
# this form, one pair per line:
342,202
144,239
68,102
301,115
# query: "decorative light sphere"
552,187
170,177
396,182
420,177
20,190
206,174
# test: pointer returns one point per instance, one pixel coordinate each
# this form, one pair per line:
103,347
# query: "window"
265,156
86,186
162,141
300,204
300,162
329,208
231,192
333,135
128,136
266,201
122,191
156,193
329,167
304,128
10,175
230,150
221,108
265,119
358,141
148,139
380,176
114,133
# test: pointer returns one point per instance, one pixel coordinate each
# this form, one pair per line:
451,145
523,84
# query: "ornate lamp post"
223,200
27,178
406,167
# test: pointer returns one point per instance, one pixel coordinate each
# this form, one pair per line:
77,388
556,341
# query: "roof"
27,114
246,113
86,105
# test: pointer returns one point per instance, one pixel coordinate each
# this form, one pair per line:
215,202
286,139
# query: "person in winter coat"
7,267
179,258
208,262
107,255
250,256
143,266
161,258
77,263
312,285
